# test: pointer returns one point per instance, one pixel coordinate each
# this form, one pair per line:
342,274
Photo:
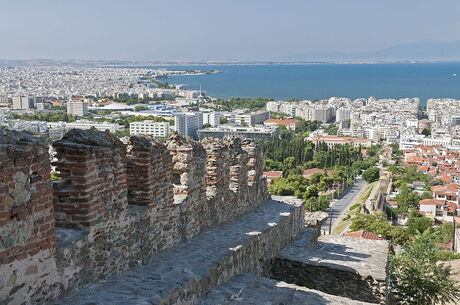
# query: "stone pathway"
249,289
358,255
184,274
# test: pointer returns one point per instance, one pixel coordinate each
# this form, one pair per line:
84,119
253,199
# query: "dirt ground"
455,264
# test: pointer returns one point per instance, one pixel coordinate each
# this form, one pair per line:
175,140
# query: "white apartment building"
342,114
253,118
77,108
156,129
323,114
187,124
23,102
84,124
211,118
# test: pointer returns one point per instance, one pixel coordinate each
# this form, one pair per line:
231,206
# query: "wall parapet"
116,205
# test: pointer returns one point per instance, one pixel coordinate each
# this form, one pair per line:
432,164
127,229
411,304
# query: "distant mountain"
422,51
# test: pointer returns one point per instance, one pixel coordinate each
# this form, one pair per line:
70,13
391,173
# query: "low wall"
351,267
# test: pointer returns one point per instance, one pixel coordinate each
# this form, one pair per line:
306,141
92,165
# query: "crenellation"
115,207
238,175
217,181
189,179
257,184
93,188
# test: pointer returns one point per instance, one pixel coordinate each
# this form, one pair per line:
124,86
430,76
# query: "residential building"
188,123
258,133
41,106
342,114
212,118
6,101
102,126
334,140
77,108
253,118
290,124
157,129
23,102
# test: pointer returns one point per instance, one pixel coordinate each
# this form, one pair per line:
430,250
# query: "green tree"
426,195
417,224
419,277
140,108
371,174
426,131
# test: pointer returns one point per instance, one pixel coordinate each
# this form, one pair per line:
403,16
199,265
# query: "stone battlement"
116,205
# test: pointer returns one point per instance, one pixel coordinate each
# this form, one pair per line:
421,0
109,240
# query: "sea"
322,81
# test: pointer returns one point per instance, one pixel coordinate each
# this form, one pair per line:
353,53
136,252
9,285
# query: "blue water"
317,81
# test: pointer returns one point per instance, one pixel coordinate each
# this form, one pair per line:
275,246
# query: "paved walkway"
184,274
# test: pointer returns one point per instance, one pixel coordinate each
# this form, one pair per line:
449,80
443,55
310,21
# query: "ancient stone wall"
116,205
93,186
27,238
257,189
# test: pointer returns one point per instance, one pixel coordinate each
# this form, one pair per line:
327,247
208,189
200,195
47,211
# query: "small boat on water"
454,75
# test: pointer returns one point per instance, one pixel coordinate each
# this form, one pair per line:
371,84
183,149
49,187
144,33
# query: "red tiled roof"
431,202
422,168
273,174
364,234
414,159
390,202
446,179
309,172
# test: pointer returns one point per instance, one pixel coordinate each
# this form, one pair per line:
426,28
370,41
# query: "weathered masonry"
115,207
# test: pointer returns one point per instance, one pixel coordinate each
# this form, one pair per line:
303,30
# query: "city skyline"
207,30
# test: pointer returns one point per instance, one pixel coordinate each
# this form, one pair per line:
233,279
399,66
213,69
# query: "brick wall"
27,232
93,169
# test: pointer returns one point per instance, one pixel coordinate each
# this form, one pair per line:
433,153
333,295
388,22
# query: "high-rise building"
342,114
156,129
6,101
187,124
322,114
23,102
77,108
211,118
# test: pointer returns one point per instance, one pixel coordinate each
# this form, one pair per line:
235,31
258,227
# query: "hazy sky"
217,29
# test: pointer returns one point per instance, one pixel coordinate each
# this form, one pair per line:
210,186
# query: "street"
340,205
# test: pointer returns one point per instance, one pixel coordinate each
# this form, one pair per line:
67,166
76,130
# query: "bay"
320,81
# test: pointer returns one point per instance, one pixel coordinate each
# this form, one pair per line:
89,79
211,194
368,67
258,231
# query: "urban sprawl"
48,101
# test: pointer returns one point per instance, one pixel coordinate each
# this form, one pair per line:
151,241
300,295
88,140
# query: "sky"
217,29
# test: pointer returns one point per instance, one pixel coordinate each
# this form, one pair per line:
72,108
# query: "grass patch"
341,226
355,206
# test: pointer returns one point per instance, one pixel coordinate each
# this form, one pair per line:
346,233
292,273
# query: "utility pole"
453,239
330,220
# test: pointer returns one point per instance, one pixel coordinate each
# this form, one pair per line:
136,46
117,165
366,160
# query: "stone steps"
183,275
249,289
